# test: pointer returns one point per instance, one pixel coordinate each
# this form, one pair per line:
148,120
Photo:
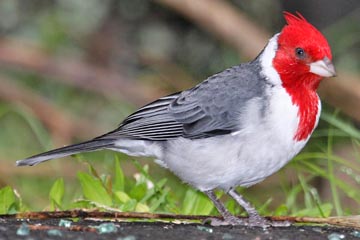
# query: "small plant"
110,193
56,194
10,201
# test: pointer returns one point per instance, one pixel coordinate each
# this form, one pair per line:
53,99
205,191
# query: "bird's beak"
323,68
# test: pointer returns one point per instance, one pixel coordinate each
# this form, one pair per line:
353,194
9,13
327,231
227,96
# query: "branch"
349,221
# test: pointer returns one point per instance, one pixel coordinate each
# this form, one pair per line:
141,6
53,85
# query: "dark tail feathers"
88,146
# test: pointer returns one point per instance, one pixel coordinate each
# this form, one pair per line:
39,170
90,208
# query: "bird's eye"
300,53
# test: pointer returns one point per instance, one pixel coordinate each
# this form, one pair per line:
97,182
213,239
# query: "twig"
348,221
233,27
99,215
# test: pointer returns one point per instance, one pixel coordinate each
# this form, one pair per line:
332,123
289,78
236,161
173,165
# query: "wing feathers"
151,122
211,108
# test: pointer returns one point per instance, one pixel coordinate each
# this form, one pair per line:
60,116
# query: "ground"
90,229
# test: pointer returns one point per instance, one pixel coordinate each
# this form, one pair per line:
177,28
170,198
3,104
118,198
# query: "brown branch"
224,21
233,27
24,56
348,221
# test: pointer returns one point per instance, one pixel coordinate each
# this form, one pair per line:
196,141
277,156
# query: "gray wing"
213,107
151,122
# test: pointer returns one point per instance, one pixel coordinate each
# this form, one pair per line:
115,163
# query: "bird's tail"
88,146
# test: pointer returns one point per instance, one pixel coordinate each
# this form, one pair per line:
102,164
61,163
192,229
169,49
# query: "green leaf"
119,179
140,207
107,183
81,203
160,200
138,191
233,207
129,205
158,189
263,208
57,193
282,210
122,196
196,203
7,200
93,189
93,171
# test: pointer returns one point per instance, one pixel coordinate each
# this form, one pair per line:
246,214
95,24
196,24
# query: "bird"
235,128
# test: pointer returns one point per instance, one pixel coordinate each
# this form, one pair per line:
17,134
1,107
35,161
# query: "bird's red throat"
302,90
308,104
303,94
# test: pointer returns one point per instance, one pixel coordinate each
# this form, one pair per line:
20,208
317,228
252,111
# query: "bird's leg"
229,219
254,217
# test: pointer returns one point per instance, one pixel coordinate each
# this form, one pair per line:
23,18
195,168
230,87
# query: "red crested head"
303,56
302,34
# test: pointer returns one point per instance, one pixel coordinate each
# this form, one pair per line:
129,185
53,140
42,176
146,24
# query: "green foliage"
325,165
119,178
94,190
196,203
56,194
107,192
9,203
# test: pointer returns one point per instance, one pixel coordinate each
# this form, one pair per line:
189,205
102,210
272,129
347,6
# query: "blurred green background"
72,69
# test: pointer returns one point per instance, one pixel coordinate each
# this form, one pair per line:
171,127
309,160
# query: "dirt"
88,230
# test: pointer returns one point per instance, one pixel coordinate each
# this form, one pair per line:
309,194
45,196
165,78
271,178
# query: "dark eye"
300,53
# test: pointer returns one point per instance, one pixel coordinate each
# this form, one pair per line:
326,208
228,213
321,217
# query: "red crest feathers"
293,19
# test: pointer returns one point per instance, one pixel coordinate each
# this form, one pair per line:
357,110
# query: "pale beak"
323,68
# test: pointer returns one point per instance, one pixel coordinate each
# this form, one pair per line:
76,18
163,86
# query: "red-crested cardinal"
235,128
